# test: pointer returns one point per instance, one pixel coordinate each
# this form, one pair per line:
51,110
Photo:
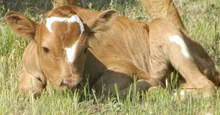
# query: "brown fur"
120,50
156,9
163,9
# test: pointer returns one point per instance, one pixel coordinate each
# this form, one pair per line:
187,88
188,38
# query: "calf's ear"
103,20
22,25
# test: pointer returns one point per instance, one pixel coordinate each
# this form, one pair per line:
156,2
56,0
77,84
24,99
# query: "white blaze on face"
71,51
72,19
179,41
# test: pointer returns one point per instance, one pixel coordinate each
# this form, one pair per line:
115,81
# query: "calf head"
62,42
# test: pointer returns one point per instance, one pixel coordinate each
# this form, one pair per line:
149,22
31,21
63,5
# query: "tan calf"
156,9
120,50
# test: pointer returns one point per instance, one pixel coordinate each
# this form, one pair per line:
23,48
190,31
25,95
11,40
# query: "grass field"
202,20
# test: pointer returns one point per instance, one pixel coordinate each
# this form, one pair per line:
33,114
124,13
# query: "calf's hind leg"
206,64
183,60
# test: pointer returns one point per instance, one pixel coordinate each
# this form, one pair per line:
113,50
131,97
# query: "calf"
156,9
108,50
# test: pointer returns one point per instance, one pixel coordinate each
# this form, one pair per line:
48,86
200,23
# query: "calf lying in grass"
76,44
156,9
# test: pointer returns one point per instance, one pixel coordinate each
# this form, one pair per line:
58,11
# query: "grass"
202,20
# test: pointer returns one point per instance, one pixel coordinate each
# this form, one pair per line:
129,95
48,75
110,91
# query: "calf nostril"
62,83
69,84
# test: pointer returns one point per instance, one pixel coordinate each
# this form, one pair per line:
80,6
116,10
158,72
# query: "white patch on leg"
72,19
70,52
179,41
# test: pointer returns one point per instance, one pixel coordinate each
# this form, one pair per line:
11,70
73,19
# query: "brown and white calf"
110,49
156,9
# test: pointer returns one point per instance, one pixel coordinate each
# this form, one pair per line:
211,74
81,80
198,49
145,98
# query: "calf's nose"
70,84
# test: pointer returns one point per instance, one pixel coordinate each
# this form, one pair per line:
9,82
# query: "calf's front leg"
109,81
30,84
124,83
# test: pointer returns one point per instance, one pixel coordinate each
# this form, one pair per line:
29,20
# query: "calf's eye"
46,50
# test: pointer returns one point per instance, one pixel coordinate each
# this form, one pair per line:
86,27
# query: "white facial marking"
70,52
72,19
179,41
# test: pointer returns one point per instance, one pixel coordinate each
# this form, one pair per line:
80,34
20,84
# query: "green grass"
202,20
